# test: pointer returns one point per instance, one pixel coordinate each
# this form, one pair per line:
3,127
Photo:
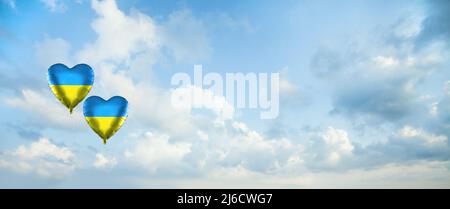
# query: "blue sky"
364,94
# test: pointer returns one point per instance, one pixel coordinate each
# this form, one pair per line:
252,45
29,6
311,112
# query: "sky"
364,94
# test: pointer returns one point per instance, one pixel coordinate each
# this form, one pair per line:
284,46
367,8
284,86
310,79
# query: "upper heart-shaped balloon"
105,117
70,85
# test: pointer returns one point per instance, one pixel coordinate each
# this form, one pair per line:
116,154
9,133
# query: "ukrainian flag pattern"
70,85
105,117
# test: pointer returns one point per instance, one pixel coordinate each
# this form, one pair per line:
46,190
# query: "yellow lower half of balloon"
70,95
105,127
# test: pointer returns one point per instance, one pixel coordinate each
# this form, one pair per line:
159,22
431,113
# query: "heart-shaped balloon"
105,117
70,85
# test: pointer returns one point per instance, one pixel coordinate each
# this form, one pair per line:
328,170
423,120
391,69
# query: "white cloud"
202,135
119,36
127,47
231,144
408,27
101,161
421,174
41,157
149,105
44,148
286,87
241,177
447,88
122,56
429,139
388,71
51,51
243,146
331,147
47,110
385,62
183,98
43,106
153,151
434,108
291,94
339,139
408,144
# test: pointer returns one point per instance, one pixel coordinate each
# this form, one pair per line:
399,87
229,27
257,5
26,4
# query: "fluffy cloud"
182,98
386,73
118,36
41,157
407,27
30,96
43,148
182,34
421,174
234,144
408,144
101,161
442,110
384,79
155,151
336,145
241,177
248,148
447,88
149,105
124,67
287,88
46,109
427,138
227,144
332,149
120,67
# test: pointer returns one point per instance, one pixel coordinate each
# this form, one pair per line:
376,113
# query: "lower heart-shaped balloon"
105,117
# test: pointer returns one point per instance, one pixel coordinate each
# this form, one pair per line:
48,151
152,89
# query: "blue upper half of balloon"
81,74
95,106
